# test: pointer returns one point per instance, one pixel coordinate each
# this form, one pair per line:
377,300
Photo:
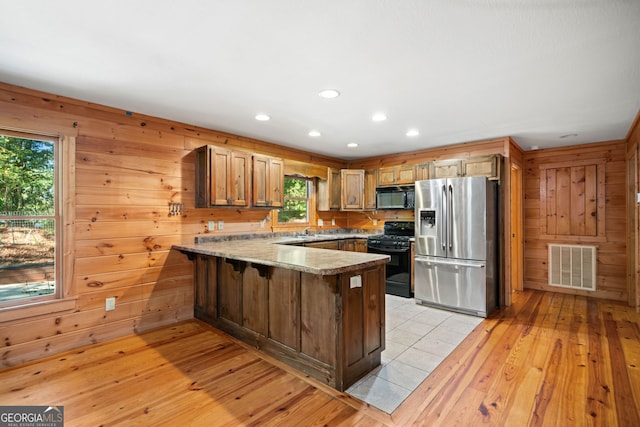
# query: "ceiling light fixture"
314,133
262,117
413,132
352,144
328,94
379,117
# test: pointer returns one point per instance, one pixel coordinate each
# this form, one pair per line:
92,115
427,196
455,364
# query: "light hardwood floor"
549,359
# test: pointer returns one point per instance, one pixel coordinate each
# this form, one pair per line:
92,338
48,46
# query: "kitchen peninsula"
318,310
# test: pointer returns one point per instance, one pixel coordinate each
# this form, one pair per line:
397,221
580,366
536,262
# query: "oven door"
398,276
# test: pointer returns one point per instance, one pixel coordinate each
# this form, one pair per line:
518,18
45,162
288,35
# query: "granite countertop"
282,252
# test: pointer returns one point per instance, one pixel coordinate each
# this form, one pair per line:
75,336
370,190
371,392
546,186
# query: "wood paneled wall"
633,214
128,168
611,249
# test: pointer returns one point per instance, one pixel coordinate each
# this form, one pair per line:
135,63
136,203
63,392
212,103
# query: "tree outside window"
28,217
296,201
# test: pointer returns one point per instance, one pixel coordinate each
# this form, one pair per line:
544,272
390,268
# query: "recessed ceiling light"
352,144
413,132
329,93
262,117
534,147
379,117
314,133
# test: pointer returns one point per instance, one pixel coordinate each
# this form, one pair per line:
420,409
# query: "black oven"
395,243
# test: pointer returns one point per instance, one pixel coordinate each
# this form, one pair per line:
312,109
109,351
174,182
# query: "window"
29,218
296,201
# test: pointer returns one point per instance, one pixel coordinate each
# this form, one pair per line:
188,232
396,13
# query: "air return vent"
572,266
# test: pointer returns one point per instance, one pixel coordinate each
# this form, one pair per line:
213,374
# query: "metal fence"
11,228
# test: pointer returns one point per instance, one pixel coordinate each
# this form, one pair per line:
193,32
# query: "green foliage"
26,175
296,194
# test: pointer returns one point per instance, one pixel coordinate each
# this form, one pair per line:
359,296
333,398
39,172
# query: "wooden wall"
611,250
633,214
127,170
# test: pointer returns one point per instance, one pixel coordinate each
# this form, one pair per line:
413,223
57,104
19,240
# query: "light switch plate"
320,222
333,221
355,281
220,225
638,197
212,225
262,223
110,304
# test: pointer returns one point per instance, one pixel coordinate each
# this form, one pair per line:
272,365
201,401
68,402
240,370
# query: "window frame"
310,205
63,299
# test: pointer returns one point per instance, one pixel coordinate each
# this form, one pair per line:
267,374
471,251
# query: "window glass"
296,201
28,218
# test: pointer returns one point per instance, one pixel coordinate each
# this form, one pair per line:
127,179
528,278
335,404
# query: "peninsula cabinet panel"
268,182
254,298
205,296
319,332
330,327
284,307
230,289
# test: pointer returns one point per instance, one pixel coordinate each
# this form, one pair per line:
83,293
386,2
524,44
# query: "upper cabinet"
397,175
370,184
488,166
352,197
268,181
222,177
330,191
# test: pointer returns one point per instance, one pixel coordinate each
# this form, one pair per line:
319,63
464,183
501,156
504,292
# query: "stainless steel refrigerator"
456,247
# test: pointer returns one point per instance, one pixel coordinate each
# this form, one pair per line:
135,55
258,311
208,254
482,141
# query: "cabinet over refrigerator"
457,244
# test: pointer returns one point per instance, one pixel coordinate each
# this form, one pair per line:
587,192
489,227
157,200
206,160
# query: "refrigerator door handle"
450,219
443,219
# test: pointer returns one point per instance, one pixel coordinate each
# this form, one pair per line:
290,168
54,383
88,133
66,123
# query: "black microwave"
395,197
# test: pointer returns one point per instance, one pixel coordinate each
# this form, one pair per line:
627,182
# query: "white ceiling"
457,71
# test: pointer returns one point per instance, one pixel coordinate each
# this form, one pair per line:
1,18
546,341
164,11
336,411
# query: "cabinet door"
386,176
335,188
361,245
276,183
422,171
240,168
370,183
481,166
445,169
268,181
331,244
348,245
219,162
405,174
352,197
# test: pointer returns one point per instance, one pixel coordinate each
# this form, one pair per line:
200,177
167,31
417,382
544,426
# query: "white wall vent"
572,266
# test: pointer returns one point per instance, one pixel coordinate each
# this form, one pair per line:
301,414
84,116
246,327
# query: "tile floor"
418,339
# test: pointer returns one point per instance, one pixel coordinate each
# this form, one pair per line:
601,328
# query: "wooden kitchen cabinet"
488,166
222,177
370,184
329,191
352,191
422,171
445,169
397,175
327,244
268,182
331,327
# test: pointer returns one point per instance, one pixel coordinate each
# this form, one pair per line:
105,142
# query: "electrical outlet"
355,282
320,222
375,222
110,304
220,225
333,221
262,223
212,225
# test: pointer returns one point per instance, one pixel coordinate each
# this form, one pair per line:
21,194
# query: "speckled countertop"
283,252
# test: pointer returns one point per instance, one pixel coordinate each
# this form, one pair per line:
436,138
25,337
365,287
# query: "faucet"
308,231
